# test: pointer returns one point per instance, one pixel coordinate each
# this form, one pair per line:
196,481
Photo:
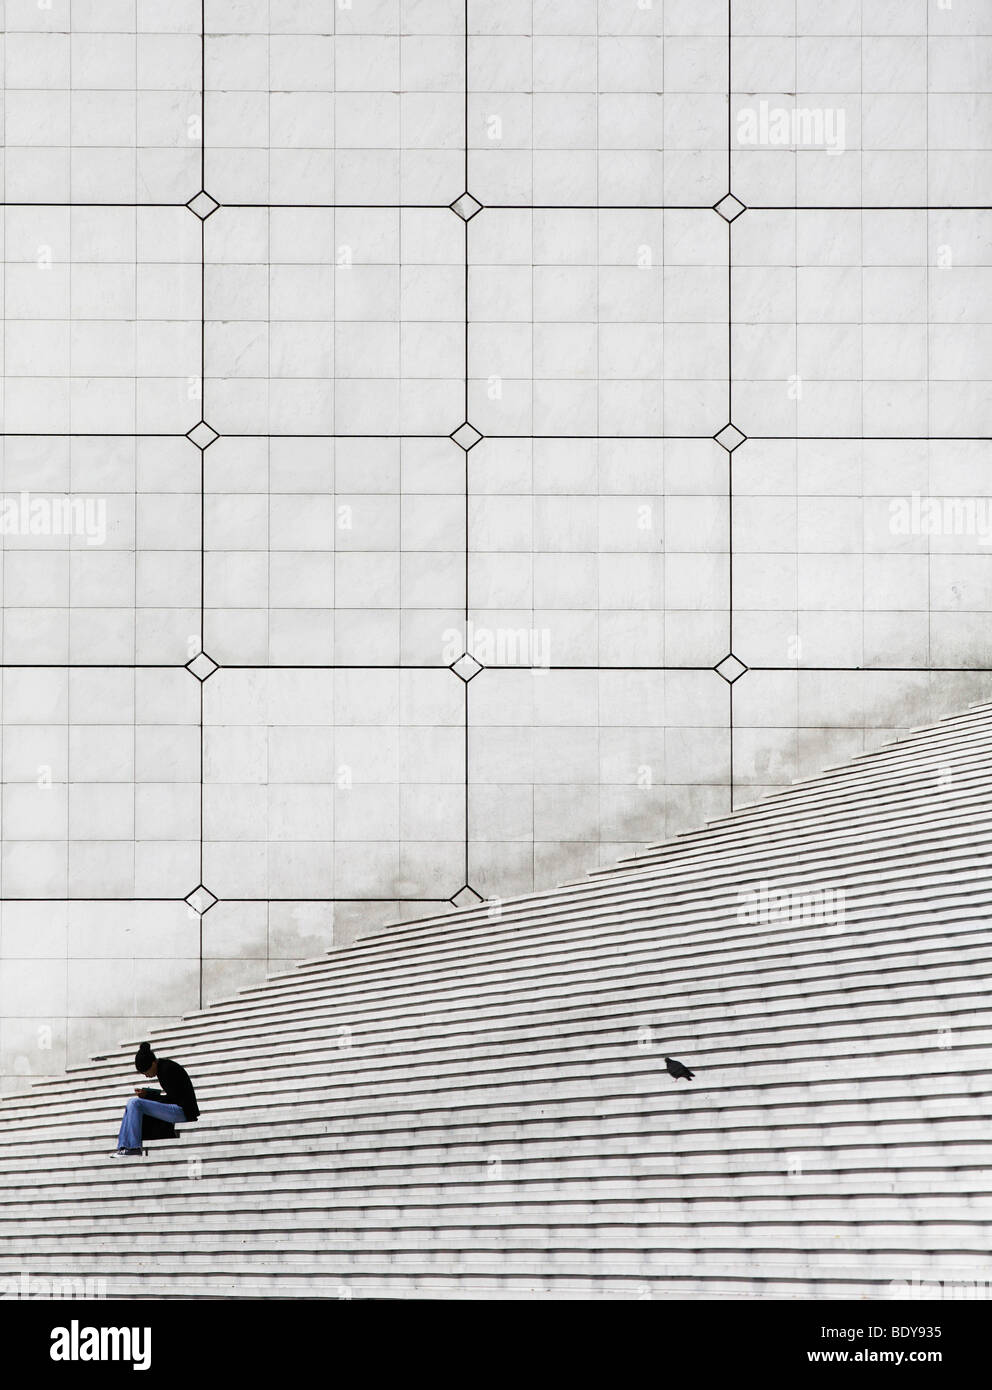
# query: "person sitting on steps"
174,1103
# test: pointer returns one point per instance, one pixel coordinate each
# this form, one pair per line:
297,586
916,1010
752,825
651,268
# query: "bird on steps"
677,1070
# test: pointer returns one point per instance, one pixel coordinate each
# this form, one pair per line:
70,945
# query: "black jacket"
177,1087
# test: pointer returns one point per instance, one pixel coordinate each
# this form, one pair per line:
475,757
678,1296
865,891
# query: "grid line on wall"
535,206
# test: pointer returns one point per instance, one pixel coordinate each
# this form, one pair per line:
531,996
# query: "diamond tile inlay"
466,667
730,437
729,207
467,897
202,435
203,205
202,666
466,206
466,436
731,668
201,899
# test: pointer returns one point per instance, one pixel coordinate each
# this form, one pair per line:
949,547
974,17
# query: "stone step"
498,1117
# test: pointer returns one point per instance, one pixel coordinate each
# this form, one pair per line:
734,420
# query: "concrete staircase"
476,1105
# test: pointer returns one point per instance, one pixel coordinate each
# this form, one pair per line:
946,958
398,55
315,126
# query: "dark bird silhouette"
677,1070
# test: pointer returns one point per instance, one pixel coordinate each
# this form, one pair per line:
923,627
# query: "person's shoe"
126,1153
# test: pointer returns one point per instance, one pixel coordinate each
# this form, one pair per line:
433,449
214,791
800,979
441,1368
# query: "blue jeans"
130,1134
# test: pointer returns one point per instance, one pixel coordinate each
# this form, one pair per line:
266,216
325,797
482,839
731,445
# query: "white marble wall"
710,325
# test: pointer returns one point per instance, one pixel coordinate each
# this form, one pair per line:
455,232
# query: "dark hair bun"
144,1057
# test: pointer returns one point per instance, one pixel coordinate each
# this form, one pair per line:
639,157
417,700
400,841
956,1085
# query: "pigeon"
677,1070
